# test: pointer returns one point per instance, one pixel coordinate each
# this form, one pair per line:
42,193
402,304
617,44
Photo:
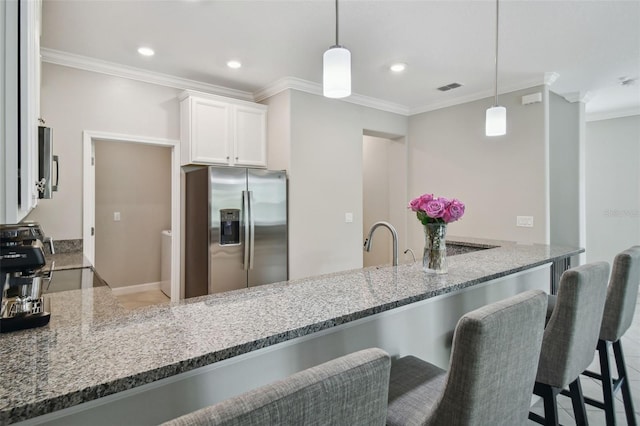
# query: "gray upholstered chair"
619,309
350,390
570,338
491,372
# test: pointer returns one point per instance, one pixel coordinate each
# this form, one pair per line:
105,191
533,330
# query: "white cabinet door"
250,136
19,112
218,130
210,131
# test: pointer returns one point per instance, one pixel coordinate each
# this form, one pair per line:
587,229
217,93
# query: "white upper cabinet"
20,94
218,130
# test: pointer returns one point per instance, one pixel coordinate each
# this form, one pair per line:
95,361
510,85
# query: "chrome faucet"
394,235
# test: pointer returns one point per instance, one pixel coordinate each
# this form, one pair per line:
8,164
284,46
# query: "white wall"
72,101
498,178
613,186
325,175
564,171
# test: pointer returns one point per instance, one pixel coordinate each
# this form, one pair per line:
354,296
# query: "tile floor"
592,388
142,299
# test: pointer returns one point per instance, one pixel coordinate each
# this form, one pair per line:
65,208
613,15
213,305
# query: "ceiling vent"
449,87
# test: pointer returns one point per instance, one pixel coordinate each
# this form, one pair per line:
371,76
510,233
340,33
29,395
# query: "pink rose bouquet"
430,209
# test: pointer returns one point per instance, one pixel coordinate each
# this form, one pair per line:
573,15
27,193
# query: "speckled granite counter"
70,260
98,350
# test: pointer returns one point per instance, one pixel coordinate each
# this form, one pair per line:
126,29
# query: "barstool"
493,365
569,339
619,309
344,391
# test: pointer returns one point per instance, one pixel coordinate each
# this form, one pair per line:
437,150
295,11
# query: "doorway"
119,212
384,193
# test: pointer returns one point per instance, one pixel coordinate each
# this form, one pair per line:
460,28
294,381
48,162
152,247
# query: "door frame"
89,138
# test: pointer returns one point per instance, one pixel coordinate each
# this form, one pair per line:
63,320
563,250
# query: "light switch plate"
524,221
116,216
348,217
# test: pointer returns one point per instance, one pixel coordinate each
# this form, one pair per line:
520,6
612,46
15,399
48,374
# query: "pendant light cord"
337,44
496,78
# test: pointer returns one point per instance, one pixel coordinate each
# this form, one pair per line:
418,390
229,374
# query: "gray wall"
134,180
613,186
498,178
564,170
72,101
325,172
384,196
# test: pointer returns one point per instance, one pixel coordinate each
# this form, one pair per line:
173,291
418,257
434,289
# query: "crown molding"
608,115
574,97
110,68
287,83
306,86
550,78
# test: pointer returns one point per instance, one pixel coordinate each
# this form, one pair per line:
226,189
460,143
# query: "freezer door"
268,215
227,269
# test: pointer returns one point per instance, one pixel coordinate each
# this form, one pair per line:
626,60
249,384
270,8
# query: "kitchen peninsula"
152,364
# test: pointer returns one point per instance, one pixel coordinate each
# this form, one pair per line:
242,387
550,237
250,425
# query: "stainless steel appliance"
21,257
46,160
236,229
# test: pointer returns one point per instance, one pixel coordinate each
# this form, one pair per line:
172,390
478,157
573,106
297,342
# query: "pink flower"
454,211
436,207
430,209
419,203
424,200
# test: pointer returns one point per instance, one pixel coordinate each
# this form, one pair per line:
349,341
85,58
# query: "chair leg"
577,401
548,394
622,376
607,382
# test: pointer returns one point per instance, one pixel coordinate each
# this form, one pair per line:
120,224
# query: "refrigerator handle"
252,232
246,219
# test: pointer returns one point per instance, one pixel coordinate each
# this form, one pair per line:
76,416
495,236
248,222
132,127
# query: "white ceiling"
589,44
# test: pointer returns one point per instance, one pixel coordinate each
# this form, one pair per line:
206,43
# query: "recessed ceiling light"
234,64
146,51
399,67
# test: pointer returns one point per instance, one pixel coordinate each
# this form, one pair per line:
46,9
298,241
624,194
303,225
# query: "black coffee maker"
21,258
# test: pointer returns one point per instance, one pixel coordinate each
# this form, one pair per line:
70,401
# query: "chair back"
571,335
622,295
493,363
351,390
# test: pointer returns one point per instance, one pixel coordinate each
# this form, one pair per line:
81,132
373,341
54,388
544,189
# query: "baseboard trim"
136,288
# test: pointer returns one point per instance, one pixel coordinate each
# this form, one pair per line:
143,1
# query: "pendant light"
496,120
336,71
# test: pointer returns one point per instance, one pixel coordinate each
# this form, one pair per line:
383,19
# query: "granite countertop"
98,351
70,260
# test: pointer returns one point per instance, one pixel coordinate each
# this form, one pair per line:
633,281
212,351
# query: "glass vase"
434,259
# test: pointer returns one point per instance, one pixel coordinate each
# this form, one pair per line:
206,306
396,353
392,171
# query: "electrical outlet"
348,217
116,216
524,221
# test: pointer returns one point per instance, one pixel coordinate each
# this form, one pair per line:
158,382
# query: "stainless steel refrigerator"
235,229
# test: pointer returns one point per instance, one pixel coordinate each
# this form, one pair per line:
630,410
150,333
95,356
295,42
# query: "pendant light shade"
496,119
336,69
336,75
496,124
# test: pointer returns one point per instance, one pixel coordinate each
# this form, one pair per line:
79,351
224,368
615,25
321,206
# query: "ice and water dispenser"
229,227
